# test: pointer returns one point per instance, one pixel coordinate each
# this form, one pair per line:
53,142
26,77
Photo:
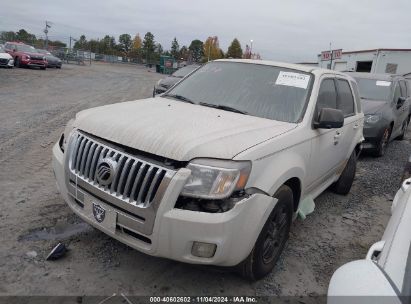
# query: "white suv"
214,170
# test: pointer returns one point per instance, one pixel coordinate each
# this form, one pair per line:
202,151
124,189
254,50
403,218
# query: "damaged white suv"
214,170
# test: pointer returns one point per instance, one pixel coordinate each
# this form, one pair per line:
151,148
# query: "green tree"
23,36
125,42
148,45
197,50
235,50
184,53
8,36
175,48
81,43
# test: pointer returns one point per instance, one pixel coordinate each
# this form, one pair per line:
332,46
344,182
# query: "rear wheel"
272,238
344,183
382,144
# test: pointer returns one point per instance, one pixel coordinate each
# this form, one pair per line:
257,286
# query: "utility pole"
46,31
331,57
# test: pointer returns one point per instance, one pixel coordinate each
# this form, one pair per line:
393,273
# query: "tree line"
26,37
142,49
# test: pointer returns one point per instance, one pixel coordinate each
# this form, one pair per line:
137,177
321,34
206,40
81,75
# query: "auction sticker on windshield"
382,83
293,79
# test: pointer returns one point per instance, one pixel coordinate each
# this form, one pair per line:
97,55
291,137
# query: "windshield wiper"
223,107
179,97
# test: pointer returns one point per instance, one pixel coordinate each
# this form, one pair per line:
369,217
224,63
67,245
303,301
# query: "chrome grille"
135,181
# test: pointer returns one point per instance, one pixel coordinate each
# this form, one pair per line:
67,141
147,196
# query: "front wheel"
272,238
344,182
382,144
403,130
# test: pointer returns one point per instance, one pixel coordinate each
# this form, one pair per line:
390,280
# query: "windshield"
259,90
43,52
374,89
25,48
185,71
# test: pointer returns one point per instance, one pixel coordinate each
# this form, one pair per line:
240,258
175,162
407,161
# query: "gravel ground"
33,218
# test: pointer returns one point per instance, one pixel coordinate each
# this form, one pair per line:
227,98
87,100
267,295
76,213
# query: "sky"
281,30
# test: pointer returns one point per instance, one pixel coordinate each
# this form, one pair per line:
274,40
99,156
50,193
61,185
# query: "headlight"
66,134
27,56
216,179
372,119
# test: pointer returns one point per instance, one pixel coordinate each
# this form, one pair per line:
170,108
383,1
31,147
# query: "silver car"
385,274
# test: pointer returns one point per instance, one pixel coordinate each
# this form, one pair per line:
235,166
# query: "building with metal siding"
392,61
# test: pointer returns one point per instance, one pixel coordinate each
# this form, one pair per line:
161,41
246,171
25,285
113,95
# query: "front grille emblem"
106,170
99,212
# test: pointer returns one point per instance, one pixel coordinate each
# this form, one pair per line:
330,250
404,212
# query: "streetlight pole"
251,49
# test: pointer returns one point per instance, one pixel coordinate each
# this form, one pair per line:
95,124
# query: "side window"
403,88
345,100
327,95
8,46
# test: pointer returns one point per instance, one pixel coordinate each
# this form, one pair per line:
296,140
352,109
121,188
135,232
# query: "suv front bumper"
175,230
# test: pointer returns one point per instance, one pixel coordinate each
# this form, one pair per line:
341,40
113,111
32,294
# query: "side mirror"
400,102
329,119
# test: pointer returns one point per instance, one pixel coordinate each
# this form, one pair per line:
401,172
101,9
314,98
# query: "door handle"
336,137
356,126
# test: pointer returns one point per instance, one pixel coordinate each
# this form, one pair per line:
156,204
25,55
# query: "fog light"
203,250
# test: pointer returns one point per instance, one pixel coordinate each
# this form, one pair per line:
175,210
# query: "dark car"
385,103
52,61
166,83
25,55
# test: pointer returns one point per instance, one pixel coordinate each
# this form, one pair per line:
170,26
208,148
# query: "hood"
178,130
5,56
169,81
372,106
33,54
52,58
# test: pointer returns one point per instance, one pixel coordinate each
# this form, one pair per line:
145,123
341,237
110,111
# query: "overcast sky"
284,30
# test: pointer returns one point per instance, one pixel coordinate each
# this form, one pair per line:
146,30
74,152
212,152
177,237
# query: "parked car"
385,274
166,83
25,55
52,61
385,103
214,170
5,58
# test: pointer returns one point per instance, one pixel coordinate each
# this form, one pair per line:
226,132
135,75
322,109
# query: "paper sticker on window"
382,83
293,79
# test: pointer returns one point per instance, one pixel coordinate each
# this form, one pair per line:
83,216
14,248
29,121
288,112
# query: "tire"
404,130
343,184
17,63
382,144
272,238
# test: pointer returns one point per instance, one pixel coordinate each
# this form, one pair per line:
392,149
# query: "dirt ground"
35,105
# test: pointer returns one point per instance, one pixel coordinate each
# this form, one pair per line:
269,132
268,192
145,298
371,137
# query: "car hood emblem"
106,170
99,212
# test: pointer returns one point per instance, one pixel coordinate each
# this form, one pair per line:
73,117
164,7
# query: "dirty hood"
178,130
372,106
